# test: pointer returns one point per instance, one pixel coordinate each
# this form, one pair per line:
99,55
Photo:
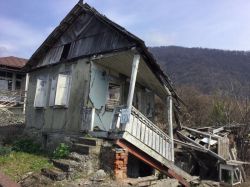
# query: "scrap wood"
207,150
137,181
191,146
200,132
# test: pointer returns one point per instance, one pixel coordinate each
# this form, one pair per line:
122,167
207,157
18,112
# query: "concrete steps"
55,174
86,146
88,141
66,165
83,157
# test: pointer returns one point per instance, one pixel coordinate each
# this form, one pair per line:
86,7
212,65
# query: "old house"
12,80
92,76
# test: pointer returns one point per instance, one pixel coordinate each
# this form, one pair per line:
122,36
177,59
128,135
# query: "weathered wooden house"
12,81
91,75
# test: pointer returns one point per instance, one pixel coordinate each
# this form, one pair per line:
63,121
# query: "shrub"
4,150
61,151
26,145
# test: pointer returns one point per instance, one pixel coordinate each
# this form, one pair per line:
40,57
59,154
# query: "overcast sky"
222,24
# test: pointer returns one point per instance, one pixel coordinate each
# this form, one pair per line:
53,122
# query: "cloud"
18,38
3,51
158,38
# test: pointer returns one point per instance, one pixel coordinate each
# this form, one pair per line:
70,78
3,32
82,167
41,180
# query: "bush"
61,151
27,145
4,150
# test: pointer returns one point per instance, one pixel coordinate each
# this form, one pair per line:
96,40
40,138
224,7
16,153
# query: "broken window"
41,93
18,85
63,90
113,97
65,51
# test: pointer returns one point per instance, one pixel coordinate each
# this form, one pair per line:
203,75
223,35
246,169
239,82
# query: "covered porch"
130,120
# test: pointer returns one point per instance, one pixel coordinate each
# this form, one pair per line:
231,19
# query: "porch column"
13,86
25,93
170,124
135,65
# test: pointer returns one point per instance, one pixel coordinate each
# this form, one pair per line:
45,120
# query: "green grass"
16,164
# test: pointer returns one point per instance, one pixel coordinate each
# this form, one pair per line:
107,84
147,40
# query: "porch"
129,126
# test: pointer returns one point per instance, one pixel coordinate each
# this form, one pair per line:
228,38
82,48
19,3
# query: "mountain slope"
209,70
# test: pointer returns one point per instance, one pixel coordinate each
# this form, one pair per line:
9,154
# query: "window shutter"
52,92
40,97
63,90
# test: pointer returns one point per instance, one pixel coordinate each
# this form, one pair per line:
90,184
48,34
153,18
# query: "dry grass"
17,164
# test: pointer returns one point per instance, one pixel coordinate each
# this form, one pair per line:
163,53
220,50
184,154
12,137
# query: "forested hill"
209,70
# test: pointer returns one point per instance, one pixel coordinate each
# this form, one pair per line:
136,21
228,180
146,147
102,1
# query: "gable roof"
77,11
13,62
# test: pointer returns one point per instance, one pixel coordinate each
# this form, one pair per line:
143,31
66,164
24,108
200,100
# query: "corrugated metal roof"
13,62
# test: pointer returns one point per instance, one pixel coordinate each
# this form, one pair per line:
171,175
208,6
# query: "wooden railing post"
170,124
26,93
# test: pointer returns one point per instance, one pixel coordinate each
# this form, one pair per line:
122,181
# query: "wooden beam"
135,65
153,163
202,133
170,124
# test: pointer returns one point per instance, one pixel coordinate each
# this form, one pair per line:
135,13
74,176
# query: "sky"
220,24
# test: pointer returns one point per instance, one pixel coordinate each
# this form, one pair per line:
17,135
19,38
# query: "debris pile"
209,153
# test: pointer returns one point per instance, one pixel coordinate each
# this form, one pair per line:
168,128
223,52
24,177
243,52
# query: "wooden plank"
146,140
191,146
150,138
142,132
164,148
217,130
160,145
138,129
134,127
157,142
154,140
200,132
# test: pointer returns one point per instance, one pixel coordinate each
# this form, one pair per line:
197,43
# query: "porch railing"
145,131
11,98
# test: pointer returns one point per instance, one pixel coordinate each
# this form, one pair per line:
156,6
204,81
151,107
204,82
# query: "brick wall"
120,163
114,161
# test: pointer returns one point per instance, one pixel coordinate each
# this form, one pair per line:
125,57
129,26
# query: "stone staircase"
83,158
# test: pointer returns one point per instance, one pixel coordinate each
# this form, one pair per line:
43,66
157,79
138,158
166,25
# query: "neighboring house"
12,80
91,75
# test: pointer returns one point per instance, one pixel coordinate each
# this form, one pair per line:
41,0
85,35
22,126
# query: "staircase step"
54,173
85,149
88,141
65,165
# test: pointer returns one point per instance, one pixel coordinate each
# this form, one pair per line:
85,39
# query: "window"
18,85
113,97
41,93
63,90
3,84
65,51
